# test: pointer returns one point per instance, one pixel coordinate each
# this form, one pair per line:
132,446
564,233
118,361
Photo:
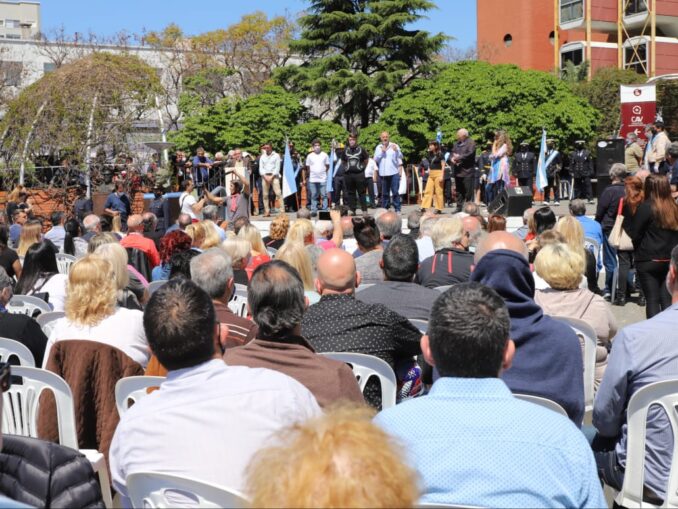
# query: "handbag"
618,238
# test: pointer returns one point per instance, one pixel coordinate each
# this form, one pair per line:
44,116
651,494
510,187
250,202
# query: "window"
635,7
635,58
508,40
13,36
13,23
48,67
576,56
571,10
11,72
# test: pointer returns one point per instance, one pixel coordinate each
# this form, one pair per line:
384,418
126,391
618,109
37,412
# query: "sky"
456,18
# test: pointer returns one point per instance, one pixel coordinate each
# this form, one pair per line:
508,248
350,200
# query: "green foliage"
204,88
482,98
246,123
602,92
324,130
359,54
572,73
667,100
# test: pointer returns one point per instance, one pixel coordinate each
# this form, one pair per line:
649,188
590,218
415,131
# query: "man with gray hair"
424,242
390,224
182,222
413,220
522,232
210,214
633,154
150,223
592,228
463,163
451,262
17,326
212,271
92,225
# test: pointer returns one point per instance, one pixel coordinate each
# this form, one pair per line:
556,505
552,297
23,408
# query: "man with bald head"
136,240
548,360
341,323
473,228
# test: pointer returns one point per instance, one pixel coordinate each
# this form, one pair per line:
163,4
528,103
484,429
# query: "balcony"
636,13
603,15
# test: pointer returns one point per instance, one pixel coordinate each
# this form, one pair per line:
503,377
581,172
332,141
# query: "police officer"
524,165
554,163
581,169
354,161
484,165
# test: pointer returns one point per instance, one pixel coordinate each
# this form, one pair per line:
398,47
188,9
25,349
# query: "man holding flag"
318,164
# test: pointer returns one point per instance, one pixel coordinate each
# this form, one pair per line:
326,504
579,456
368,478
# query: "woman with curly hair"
277,232
175,241
92,313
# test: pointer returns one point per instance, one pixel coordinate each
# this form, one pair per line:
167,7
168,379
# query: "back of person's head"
91,293
251,233
210,212
239,223
73,230
577,207
301,231
304,214
279,227
543,219
400,259
389,224
149,222
117,257
173,242
56,218
573,232
197,233
180,324
664,208
472,209
366,232
347,227
31,233
468,332
550,237
324,229
297,256
618,172
413,219
336,272
40,262
527,215
495,223
634,192
180,263
184,220
91,222
211,237
275,295
339,459
426,225
239,251
135,222
212,271
500,240
560,266
99,240
447,232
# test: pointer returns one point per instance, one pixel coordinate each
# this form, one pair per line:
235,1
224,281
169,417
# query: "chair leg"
99,466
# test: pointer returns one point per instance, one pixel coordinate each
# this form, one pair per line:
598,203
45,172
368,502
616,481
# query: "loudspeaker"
608,152
512,202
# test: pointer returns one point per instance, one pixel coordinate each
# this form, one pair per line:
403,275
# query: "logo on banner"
637,92
638,108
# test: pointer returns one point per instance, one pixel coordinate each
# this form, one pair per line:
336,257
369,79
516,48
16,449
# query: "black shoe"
641,301
621,301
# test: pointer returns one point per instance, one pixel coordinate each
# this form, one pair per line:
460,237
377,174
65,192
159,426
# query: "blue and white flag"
330,173
289,182
439,136
542,180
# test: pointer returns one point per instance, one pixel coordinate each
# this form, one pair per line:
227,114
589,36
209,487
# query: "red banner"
638,108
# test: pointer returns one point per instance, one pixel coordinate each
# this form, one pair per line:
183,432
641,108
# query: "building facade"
19,20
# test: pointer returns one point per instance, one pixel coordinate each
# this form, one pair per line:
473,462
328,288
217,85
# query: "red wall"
603,57
667,58
604,10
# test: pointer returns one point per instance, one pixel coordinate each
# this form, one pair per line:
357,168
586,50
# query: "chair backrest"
240,290
366,366
593,246
665,395
138,259
156,490
154,285
588,335
271,251
27,305
21,404
546,403
238,305
64,262
46,321
443,289
422,325
133,388
10,347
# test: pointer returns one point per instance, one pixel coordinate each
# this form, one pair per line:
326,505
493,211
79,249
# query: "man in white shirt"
207,419
269,169
318,163
188,203
388,157
660,143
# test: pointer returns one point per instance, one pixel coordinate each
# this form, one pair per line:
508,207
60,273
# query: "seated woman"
173,242
31,233
240,252
73,243
92,312
40,276
573,232
563,268
131,294
296,255
258,251
277,231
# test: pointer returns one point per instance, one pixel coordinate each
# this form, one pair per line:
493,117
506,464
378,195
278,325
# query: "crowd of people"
300,432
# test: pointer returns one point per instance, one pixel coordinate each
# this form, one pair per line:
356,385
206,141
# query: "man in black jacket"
463,161
354,160
581,168
525,165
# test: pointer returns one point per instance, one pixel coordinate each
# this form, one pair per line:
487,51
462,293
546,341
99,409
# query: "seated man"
136,240
592,228
499,451
642,353
451,262
150,228
276,298
398,292
57,233
92,224
548,360
183,220
390,224
207,419
341,323
424,242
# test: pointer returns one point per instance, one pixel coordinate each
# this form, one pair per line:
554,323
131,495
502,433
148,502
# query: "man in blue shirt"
388,157
117,204
471,441
592,228
201,169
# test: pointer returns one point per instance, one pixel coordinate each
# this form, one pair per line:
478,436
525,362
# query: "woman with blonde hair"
31,233
498,178
92,313
301,231
258,249
296,255
340,459
240,252
197,232
573,232
211,238
129,296
562,268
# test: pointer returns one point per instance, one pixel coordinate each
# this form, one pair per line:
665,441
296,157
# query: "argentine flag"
289,182
542,180
330,173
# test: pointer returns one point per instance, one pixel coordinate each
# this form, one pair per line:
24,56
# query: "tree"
324,130
359,53
667,101
482,98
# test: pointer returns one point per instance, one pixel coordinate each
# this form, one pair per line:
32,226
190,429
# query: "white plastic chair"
546,403
240,290
593,246
588,333
133,388
664,394
271,251
20,416
46,321
238,305
156,490
422,325
10,347
27,305
154,285
443,289
366,366
64,262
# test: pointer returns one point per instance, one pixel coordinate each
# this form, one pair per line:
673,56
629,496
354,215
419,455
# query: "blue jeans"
318,188
390,184
609,262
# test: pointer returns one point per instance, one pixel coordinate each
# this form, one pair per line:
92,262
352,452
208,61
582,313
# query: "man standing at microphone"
388,157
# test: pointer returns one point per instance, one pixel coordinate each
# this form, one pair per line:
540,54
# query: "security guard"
524,165
581,169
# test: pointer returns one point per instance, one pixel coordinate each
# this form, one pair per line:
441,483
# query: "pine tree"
359,53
